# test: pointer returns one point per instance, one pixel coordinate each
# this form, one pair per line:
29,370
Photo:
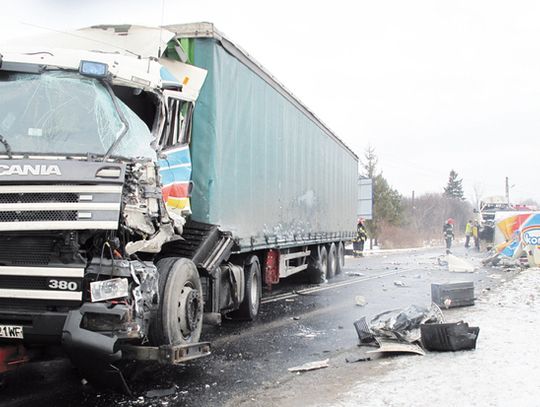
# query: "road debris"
365,336
160,392
404,324
442,262
415,329
307,333
360,301
450,295
389,346
356,360
449,336
320,364
459,265
355,274
400,283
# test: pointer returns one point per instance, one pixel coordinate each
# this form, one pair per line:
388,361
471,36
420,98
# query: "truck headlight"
109,289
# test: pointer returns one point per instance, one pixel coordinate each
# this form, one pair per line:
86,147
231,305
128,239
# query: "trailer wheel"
332,261
340,258
318,264
249,308
179,317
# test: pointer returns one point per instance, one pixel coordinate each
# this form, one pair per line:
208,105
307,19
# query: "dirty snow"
502,371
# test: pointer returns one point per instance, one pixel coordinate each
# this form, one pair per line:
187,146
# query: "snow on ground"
502,371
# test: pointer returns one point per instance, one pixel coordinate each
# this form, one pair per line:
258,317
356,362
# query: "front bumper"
43,328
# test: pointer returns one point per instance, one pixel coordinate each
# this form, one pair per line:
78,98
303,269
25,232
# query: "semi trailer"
152,180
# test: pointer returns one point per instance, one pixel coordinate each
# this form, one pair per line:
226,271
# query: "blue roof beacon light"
94,69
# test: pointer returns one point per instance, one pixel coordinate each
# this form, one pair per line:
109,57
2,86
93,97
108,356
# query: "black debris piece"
449,336
450,295
364,333
355,360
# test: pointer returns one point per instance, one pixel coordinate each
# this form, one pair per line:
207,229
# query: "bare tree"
478,193
369,162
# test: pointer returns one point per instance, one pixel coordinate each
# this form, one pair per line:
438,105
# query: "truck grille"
37,216
22,250
38,197
59,207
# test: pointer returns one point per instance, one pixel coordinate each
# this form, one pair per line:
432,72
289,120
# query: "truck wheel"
180,313
340,258
332,261
318,264
249,308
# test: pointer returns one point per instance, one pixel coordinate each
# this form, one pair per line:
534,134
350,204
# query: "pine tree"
454,188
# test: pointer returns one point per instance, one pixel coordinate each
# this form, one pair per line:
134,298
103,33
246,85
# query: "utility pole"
507,189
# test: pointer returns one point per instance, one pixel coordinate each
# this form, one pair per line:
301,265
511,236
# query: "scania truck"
153,179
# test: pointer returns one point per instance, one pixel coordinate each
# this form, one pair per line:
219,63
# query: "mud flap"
93,353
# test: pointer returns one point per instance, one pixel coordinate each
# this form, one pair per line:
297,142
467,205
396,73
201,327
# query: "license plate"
11,331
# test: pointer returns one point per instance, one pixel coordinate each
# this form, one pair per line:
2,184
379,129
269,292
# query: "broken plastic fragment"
320,364
386,346
161,392
360,301
459,265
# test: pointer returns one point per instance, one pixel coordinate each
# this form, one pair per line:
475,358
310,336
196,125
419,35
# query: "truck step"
203,243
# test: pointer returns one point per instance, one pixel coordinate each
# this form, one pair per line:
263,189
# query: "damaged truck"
152,180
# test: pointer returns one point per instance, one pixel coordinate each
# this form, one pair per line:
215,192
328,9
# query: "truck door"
175,161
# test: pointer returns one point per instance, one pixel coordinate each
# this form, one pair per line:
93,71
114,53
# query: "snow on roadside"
502,371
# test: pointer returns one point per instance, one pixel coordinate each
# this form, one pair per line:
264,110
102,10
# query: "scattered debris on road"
449,337
404,324
320,364
442,262
415,329
400,283
307,333
160,392
365,335
459,265
355,274
360,301
356,360
451,295
389,346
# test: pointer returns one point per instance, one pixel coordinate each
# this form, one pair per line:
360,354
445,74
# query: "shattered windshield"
60,112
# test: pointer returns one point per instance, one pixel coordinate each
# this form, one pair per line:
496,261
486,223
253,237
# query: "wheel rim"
189,313
254,294
341,257
324,266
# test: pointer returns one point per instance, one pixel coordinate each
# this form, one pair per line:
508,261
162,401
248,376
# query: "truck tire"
318,265
340,257
249,308
332,261
179,318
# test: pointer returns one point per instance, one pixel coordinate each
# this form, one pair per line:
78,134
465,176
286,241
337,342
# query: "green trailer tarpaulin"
264,167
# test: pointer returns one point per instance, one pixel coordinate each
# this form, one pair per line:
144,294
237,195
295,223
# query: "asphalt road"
298,324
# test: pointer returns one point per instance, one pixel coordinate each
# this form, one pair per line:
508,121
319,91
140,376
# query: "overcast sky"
431,85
